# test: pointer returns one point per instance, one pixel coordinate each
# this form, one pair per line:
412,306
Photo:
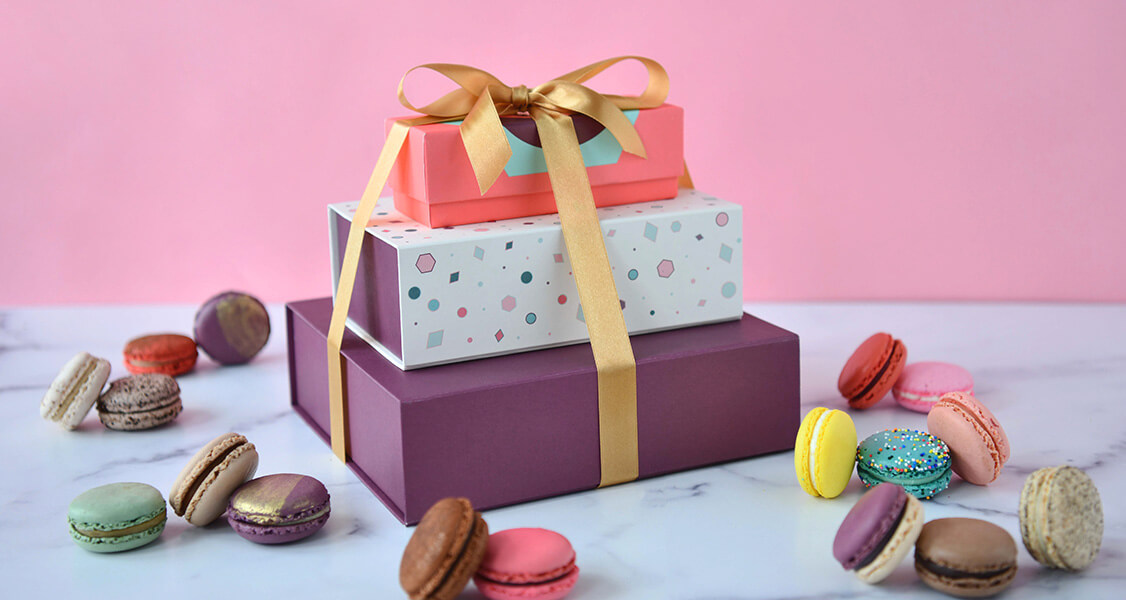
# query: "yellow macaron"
825,452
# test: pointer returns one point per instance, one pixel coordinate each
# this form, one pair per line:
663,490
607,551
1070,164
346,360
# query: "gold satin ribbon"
479,102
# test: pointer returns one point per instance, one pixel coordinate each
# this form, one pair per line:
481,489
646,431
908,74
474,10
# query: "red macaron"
872,370
165,353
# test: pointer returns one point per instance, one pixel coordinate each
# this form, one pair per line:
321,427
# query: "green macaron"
116,517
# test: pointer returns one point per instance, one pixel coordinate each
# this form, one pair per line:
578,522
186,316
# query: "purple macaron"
232,327
278,508
878,532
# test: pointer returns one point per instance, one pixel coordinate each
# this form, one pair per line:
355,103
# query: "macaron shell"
551,590
974,436
868,523
278,499
232,327
916,460
921,384
801,450
900,544
526,555
139,421
75,390
872,370
835,455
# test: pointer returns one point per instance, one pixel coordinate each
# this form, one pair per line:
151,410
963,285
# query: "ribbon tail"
337,406
685,179
485,142
609,338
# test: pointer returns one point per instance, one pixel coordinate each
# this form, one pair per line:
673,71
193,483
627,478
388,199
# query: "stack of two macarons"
452,545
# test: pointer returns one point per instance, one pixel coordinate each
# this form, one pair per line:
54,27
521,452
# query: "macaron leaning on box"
116,517
872,370
75,390
203,488
527,564
825,452
916,460
921,384
978,444
232,327
878,532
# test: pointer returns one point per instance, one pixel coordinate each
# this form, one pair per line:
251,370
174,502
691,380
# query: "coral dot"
461,312
562,299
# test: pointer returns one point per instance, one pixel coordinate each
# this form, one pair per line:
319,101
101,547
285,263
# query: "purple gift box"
523,427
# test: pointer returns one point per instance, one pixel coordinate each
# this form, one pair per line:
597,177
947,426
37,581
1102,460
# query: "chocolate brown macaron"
444,551
968,558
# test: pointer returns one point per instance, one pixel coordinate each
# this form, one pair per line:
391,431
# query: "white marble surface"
1054,375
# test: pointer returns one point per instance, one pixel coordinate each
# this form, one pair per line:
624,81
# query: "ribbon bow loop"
481,99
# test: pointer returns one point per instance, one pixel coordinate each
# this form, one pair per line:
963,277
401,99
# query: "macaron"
201,491
116,517
232,327
978,445
74,390
444,551
168,353
916,460
968,558
280,508
872,370
1061,518
527,563
140,402
878,532
921,384
825,452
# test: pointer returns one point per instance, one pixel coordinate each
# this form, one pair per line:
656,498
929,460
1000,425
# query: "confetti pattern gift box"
523,427
434,183
432,296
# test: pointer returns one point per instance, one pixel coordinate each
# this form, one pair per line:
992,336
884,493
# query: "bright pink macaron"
527,563
923,383
978,445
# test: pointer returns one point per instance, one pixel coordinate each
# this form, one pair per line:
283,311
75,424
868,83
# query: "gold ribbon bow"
480,100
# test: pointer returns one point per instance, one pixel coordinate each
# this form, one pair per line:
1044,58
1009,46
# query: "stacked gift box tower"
466,366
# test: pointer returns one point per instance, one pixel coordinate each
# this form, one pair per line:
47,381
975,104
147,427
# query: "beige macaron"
1061,518
74,390
201,491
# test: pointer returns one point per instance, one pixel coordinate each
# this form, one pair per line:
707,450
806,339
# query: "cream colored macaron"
201,491
75,390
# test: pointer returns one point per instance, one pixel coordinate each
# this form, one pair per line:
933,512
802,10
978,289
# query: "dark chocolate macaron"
232,327
878,532
444,551
140,402
968,558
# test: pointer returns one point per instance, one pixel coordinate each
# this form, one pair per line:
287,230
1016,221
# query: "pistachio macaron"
825,452
201,491
116,517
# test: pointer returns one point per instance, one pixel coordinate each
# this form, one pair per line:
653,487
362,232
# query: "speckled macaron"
168,353
916,460
232,327
140,402
74,390
1061,518
279,508
116,517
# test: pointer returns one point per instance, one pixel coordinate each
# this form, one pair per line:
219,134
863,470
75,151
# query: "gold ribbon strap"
480,100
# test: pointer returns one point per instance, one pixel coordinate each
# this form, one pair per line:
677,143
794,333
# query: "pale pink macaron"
923,383
978,445
527,564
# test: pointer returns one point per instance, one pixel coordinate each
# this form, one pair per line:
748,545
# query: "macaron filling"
312,516
89,530
816,435
945,571
879,374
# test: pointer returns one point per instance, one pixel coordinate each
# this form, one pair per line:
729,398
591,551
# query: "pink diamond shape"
701,303
558,258
425,263
499,335
508,303
665,268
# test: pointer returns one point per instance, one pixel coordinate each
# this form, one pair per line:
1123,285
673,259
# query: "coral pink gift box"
434,183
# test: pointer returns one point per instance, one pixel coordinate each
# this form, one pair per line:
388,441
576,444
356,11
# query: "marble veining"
1055,375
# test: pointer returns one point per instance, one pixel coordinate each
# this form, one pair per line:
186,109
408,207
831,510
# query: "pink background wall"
166,151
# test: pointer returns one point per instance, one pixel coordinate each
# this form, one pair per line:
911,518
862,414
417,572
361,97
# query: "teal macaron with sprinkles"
116,517
916,460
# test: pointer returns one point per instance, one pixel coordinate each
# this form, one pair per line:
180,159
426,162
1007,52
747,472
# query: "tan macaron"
201,491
